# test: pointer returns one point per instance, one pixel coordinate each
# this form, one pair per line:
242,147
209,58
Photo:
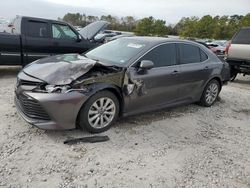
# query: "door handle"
175,72
206,67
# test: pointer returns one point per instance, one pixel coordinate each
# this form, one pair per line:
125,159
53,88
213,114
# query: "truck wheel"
99,112
210,93
233,76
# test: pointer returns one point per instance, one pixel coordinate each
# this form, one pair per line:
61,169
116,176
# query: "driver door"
64,40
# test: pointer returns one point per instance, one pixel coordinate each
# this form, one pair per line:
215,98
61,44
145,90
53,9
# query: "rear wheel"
99,112
233,76
210,93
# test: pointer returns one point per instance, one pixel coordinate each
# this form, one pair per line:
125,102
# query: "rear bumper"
60,109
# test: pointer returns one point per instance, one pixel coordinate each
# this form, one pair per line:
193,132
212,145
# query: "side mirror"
79,38
146,64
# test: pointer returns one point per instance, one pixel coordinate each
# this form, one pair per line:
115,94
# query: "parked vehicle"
238,53
35,38
126,76
218,47
109,35
101,37
108,39
221,42
78,28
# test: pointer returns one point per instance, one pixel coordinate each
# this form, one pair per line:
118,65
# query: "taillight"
227,47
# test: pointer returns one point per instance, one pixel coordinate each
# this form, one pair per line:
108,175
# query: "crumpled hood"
60,69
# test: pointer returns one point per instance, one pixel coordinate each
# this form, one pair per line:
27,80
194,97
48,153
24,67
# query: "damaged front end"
72,72
52,100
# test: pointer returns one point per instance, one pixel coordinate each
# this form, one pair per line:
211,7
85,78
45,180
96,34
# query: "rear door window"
191,54
38,29
164,55
242,37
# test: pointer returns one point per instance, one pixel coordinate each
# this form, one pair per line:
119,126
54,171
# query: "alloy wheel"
101,112
211,93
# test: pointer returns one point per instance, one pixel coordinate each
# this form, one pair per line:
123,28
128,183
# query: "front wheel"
210,93
99,112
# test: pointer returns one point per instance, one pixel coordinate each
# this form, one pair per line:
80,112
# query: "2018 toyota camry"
123,77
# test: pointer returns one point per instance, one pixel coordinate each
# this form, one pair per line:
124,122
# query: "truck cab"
35,38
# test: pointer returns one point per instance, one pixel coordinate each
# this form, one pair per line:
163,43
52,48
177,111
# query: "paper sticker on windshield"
133,45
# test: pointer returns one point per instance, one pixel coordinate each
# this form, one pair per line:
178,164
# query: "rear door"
64,40
158,86
37,42
195,70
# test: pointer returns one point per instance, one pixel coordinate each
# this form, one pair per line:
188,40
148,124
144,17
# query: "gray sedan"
124,77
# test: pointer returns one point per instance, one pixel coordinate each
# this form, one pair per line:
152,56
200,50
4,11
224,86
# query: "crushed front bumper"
55,111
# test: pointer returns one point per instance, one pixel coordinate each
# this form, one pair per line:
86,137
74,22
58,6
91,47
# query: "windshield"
3,21
117,52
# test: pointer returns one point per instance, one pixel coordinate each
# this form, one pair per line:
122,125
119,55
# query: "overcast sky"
170,10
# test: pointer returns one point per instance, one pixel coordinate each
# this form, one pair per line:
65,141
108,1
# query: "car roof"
40,19
159,40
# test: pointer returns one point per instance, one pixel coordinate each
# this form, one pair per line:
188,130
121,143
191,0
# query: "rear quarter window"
37,29
203,56
242,37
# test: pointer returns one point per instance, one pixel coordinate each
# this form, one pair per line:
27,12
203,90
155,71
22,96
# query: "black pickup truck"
35,38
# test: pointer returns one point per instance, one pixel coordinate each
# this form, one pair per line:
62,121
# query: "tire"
94,116
210,93
233,76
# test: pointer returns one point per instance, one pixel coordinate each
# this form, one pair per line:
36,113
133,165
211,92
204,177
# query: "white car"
4,25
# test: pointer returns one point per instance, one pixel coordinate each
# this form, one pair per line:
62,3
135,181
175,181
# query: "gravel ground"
188,146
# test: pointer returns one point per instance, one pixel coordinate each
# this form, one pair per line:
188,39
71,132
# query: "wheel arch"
98,87
217,78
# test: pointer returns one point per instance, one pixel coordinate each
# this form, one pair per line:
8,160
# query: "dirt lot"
189,146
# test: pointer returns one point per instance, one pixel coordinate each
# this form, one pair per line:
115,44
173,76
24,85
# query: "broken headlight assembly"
48,88
57,89
65,89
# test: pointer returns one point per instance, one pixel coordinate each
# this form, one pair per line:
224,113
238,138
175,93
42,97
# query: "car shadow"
128,123
241,81
150,117
122,123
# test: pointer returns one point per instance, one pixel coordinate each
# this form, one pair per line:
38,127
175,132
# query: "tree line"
217,27
127,23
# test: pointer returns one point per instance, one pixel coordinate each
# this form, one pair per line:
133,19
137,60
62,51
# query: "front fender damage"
133,87
101,77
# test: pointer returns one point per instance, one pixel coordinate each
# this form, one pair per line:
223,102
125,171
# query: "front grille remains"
27,83
31,108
